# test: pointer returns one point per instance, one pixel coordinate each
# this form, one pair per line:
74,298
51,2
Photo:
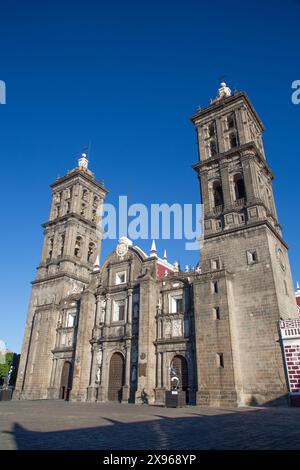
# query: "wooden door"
66,381
116,377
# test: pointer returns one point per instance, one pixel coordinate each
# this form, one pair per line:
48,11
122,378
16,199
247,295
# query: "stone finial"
97,264
83,161
153,249
176,266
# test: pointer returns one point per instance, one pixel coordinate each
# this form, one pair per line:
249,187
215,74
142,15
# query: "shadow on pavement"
256,429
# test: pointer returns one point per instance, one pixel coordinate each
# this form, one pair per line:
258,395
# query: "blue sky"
126,76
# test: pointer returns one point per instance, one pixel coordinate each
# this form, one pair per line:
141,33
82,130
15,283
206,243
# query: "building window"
94,215
218,194
77,250
82,211
215,287
62,244
233,141
91,251
121,278
216,313
68,207
220,360
177,304
95,201
50,251
119,310
215,264
252,256
230,121
213,148
85,195
57,211
212,129
239,187
71,320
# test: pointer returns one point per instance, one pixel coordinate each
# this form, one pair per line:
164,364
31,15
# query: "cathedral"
115,332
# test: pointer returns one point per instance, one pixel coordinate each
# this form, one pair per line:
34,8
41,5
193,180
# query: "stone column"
129,313
126,387
103,387
94,384
108,314
53,390
220,134
225,185
248,172
98,310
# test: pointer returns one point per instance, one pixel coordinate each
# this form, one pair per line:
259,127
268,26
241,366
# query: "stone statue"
99,357
103,310
174,378
98,375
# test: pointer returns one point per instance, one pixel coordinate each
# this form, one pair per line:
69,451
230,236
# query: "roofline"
225,101
81,173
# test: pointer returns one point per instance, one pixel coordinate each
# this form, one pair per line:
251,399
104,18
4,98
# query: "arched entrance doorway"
116,377
66,381
179,364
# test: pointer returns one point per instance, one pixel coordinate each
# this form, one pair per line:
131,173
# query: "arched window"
50,250
77,250
218,194
95,201
233,140
213,148
91,251
94,215
85,195
82,212
239,187
62,244
179,378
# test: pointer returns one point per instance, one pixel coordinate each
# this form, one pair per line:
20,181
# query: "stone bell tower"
244,260
72,243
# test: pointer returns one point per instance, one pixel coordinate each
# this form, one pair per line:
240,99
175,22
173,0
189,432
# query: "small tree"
11,359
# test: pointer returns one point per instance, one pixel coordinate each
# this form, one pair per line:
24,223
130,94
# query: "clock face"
281,258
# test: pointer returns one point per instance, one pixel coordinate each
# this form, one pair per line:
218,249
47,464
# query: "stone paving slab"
46,425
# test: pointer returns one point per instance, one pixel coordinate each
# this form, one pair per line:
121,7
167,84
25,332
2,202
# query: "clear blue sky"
127,75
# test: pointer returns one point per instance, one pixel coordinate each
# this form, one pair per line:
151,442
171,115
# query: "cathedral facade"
116,332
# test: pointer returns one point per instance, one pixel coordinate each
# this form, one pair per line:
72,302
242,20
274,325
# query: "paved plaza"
60,425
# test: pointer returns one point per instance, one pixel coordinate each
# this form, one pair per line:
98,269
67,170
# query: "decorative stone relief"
167,328
176,327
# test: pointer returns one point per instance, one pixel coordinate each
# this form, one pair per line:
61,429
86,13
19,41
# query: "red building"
297,294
